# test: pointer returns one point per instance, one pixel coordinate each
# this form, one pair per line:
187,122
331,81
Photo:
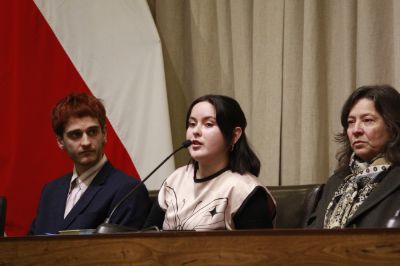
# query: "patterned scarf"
355,190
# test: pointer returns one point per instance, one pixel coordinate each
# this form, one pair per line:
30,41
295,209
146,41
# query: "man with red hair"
84,198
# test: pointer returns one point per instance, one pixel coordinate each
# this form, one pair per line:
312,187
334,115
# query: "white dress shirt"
79,184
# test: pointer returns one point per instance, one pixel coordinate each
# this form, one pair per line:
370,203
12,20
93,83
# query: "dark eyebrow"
79,130
204,118
368,114
72,131
363,115
93,127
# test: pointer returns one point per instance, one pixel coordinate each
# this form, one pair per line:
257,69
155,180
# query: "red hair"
77,105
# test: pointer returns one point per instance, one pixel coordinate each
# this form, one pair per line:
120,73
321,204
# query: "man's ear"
237,132
60,142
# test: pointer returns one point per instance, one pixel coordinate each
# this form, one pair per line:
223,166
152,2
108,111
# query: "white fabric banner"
115,47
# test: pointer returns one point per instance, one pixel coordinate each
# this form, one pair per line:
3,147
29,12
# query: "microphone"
394,222
106,227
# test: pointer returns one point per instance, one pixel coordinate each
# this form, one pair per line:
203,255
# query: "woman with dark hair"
365,189
218,189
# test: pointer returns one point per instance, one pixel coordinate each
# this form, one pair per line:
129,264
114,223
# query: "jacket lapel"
389,184
89,195
60,202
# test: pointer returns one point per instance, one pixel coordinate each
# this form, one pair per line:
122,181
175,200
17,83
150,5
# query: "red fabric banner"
35,73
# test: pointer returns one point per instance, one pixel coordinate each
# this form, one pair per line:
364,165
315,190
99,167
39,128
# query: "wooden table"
261,247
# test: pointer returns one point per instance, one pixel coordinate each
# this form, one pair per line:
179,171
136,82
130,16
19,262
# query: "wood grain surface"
266,247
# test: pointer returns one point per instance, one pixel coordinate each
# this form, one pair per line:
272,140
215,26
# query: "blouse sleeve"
156,216
254,212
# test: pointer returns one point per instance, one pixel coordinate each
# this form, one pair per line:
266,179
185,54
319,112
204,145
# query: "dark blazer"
106,189
376,210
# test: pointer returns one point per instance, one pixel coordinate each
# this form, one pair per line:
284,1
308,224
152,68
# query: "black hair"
229,115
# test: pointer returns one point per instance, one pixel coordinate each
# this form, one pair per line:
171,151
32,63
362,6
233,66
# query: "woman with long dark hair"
219,188
365,189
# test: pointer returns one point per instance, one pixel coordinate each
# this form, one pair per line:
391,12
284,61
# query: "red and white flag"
49,48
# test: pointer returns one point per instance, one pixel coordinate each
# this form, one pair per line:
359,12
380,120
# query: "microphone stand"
108,228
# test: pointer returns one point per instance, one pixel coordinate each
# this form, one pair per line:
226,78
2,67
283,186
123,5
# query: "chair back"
294,204
3,209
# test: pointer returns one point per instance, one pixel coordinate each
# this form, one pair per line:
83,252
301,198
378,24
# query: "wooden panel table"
264,247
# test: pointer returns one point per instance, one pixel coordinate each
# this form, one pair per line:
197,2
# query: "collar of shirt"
87,177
